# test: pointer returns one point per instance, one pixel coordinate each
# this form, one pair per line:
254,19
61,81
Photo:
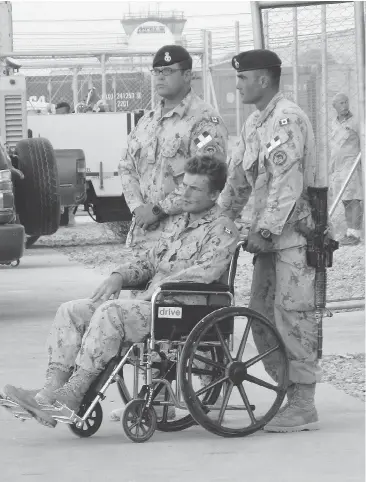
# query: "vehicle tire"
30,241
37,196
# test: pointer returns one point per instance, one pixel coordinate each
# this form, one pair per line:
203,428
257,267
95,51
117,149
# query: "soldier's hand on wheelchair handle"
256,244
111,287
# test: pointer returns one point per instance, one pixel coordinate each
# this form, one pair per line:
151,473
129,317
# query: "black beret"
255,60
170,54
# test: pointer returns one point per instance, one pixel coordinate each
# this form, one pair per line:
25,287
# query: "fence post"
75,86
266,29
360,56
104,83
322,178
257,25
295,64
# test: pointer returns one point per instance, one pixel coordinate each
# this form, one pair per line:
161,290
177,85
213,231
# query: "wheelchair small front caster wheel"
91,424
139,422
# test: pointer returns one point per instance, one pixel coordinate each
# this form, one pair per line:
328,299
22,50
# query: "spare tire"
37,196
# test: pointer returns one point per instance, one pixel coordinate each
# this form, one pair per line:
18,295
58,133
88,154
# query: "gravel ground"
96,247
346,373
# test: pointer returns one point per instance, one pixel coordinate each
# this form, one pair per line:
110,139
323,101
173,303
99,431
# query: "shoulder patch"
279,157
202,139
215,120
285,121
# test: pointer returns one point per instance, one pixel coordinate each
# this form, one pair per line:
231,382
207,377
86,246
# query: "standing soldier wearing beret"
275,160
152,167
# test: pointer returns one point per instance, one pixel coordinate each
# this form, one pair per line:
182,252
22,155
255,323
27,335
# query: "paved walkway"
29,296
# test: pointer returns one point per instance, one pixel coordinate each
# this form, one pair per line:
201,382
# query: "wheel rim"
250,398
168,417
139,422
91,424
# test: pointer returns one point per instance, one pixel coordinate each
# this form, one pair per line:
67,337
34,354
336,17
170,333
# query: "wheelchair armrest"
187,286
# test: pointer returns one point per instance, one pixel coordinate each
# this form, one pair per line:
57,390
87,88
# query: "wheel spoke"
244,340
262,383
211,385
260,357
246,403
202,371
229,389
143,429
132,426
209,361
223,343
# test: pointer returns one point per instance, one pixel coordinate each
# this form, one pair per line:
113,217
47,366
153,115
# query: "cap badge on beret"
167,57
236,63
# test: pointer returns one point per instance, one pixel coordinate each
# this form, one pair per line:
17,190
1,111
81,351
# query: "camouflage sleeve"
217,249
137,271
285,155
237,189
128,173
208,136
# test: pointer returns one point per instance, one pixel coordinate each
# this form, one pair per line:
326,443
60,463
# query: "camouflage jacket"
152,167
345,147
199,251
274,159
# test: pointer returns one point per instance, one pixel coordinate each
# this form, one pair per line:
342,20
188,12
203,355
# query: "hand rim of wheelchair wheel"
134,414
228,375
88,429
183,423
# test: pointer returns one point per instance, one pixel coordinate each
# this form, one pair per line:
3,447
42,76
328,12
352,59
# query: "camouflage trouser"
283,291
89,334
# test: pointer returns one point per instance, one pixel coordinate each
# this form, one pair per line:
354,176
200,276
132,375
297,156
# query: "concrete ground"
29,297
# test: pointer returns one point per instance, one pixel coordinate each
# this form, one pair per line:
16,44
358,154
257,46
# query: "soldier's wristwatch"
266,234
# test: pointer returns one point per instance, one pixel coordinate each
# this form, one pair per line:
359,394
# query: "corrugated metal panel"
13,118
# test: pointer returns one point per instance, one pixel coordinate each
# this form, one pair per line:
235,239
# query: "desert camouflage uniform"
90,334
275,160
345,147
152,167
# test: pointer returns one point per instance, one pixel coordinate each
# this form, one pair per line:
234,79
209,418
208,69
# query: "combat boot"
290,393
299,415
70,395
55,379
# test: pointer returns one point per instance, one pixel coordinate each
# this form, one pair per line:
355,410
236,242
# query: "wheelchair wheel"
182,418
138,422
91,424
253,374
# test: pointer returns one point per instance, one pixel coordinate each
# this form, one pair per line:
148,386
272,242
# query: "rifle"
319,253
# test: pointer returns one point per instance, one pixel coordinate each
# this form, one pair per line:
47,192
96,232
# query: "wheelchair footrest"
15,409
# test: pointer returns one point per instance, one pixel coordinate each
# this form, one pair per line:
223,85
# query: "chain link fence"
127,87
317,45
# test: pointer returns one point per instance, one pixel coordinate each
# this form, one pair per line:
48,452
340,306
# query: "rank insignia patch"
275,142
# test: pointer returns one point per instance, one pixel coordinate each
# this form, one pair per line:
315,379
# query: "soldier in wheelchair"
184,324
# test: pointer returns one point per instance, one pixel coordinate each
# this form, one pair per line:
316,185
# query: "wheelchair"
199,359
